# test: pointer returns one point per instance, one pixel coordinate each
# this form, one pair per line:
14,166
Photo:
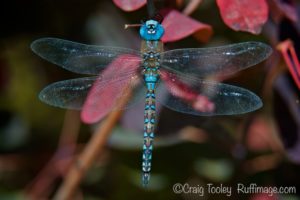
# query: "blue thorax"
151,30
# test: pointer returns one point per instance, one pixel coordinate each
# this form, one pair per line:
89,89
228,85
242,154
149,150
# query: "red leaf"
290,57
178,26
259,136
106,90
244,15
130,5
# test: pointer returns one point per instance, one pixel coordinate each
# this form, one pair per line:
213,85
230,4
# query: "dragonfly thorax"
151,60
151,51
151,55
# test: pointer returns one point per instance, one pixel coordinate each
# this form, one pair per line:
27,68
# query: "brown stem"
92,150
41,186
191,7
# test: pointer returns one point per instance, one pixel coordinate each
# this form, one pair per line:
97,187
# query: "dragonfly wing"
204,98
69,94
101,100
72,94
80,58
223,60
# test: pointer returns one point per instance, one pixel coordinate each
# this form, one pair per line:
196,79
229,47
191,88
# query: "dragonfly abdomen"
149,125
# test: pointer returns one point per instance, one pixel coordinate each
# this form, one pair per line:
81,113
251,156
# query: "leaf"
129,5
178,26
219,170
244,15
106,90
260,136
290,57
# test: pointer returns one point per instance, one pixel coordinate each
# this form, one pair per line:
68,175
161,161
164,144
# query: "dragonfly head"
151,30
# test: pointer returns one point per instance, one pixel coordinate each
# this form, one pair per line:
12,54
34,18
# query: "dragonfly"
183,75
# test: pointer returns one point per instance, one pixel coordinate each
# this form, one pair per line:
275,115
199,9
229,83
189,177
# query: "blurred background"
39,142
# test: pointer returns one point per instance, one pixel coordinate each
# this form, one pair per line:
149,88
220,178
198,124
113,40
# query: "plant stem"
151,8
192,6
92,150
41,187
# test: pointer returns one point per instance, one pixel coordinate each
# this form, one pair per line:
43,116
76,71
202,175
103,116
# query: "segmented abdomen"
149,124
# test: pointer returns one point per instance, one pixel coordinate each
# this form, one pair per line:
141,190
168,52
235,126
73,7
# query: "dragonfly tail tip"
145,179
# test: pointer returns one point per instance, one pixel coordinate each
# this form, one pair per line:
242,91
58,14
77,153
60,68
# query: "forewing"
80,58
223,60
204,98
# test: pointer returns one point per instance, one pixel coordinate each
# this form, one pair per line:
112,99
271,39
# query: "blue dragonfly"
181,74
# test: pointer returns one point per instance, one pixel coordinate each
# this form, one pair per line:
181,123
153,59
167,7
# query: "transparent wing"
200,97
223,60
102,99
80,58
97,96
72,94
69,94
